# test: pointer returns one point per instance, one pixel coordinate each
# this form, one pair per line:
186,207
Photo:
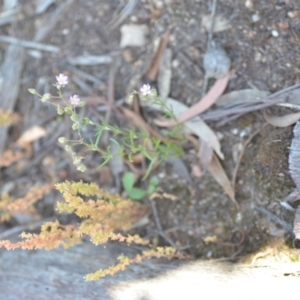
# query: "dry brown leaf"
282,121
216,170
32,134
152,72
205,103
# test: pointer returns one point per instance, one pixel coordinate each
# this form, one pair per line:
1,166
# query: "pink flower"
145,89
75,100
62,80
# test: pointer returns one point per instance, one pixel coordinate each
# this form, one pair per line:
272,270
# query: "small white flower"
75,100
62,79
145,89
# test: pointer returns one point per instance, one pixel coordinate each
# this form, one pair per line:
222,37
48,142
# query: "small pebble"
209,254
249,4
161,175
234,131
65,31
175,63
275,33
258,56
255,18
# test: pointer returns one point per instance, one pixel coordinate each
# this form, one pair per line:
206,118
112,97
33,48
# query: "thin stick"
212,24
288,89
110,99
288,227
209,41
158,224
28,44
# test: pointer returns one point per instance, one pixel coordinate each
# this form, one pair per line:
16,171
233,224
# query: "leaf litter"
205,113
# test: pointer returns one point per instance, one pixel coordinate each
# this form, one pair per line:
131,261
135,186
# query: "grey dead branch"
42,5
59,275
9,16
10,77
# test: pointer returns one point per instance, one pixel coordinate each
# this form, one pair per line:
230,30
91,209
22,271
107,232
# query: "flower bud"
81,168
60,111
75,126
32,91
62,140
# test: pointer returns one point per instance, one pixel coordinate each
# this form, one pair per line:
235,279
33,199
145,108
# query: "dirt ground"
261,39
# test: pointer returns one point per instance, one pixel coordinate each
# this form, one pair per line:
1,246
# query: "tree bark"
59,275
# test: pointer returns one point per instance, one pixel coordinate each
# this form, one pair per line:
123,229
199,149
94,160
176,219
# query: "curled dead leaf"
282,121
216,170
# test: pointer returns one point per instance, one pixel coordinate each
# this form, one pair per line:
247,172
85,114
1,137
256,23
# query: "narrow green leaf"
137,194
128,181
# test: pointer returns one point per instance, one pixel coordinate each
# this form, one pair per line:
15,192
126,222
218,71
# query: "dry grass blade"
216,170
125,13
282,121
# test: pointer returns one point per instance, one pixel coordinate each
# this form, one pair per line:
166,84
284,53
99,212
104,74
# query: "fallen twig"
90,60
110,99
28,44
9,16
153,71
158,225
84,75
286,226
